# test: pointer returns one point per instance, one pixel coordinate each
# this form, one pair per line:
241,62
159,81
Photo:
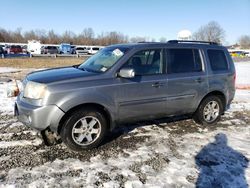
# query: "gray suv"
127,83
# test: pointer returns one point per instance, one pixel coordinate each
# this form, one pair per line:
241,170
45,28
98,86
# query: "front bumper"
38,117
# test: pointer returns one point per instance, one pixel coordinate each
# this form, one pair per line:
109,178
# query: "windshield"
104,59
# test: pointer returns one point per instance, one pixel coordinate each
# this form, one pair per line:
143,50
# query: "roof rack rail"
146,42
193,41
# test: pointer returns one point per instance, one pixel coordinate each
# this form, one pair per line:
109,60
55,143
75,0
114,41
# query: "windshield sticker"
103,69
117,52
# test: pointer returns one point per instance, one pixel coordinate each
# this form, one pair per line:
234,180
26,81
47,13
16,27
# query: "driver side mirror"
127,73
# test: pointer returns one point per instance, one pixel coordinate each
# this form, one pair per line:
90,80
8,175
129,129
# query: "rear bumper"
38,117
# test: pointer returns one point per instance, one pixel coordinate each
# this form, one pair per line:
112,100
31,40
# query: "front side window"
146,62
103,59
183,60
217,60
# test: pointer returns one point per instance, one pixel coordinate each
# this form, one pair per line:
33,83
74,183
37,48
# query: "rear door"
144,96
187,79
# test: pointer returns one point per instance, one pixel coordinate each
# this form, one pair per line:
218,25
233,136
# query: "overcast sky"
151,18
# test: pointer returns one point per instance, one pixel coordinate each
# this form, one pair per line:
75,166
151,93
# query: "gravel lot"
23,154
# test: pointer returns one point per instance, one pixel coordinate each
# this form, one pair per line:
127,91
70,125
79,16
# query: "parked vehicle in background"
14,49
238,53
1,50
65,48
34,47
93,50
73,49
128,83
6,49
49,50
3,47
80,50
24,48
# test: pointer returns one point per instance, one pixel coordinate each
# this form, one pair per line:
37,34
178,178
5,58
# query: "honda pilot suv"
127,83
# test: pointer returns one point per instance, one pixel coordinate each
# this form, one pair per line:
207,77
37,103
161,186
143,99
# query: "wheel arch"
96,106
217,93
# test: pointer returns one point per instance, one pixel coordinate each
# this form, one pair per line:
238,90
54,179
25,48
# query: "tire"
209,111
84,129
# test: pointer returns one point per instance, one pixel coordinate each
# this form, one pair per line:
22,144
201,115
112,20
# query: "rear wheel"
209,112
84,129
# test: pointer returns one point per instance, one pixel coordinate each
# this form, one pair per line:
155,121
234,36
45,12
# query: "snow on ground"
162,153
242,73
170,156
7,103
7,70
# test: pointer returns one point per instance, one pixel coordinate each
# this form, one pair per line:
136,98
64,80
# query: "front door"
144,96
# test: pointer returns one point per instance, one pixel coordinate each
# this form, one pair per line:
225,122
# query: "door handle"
157,84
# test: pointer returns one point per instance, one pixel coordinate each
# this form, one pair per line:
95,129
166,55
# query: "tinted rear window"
217,60
183,60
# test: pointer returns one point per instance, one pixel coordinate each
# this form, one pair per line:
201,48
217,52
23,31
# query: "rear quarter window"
183,60
218,60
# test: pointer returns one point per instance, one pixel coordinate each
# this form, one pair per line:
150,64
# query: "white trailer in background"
34,47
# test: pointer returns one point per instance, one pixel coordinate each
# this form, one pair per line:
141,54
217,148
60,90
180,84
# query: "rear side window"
217,60
183,60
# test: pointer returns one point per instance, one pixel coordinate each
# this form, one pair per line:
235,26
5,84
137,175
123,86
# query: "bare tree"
163,39
112,37
30,35
4,35
244,41
16,36
211,32
138,39
68,37
86,37
41,35
52,38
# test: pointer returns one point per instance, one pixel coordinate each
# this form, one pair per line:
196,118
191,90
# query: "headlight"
34,90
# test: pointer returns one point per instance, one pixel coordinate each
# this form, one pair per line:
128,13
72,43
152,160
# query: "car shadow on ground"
128,128
220,165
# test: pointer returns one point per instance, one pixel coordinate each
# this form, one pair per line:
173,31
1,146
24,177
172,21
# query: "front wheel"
209,112
84,129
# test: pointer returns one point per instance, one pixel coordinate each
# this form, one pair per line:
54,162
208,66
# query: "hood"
58,74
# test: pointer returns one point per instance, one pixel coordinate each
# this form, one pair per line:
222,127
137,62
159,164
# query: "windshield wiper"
78,67
92,70
86,69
